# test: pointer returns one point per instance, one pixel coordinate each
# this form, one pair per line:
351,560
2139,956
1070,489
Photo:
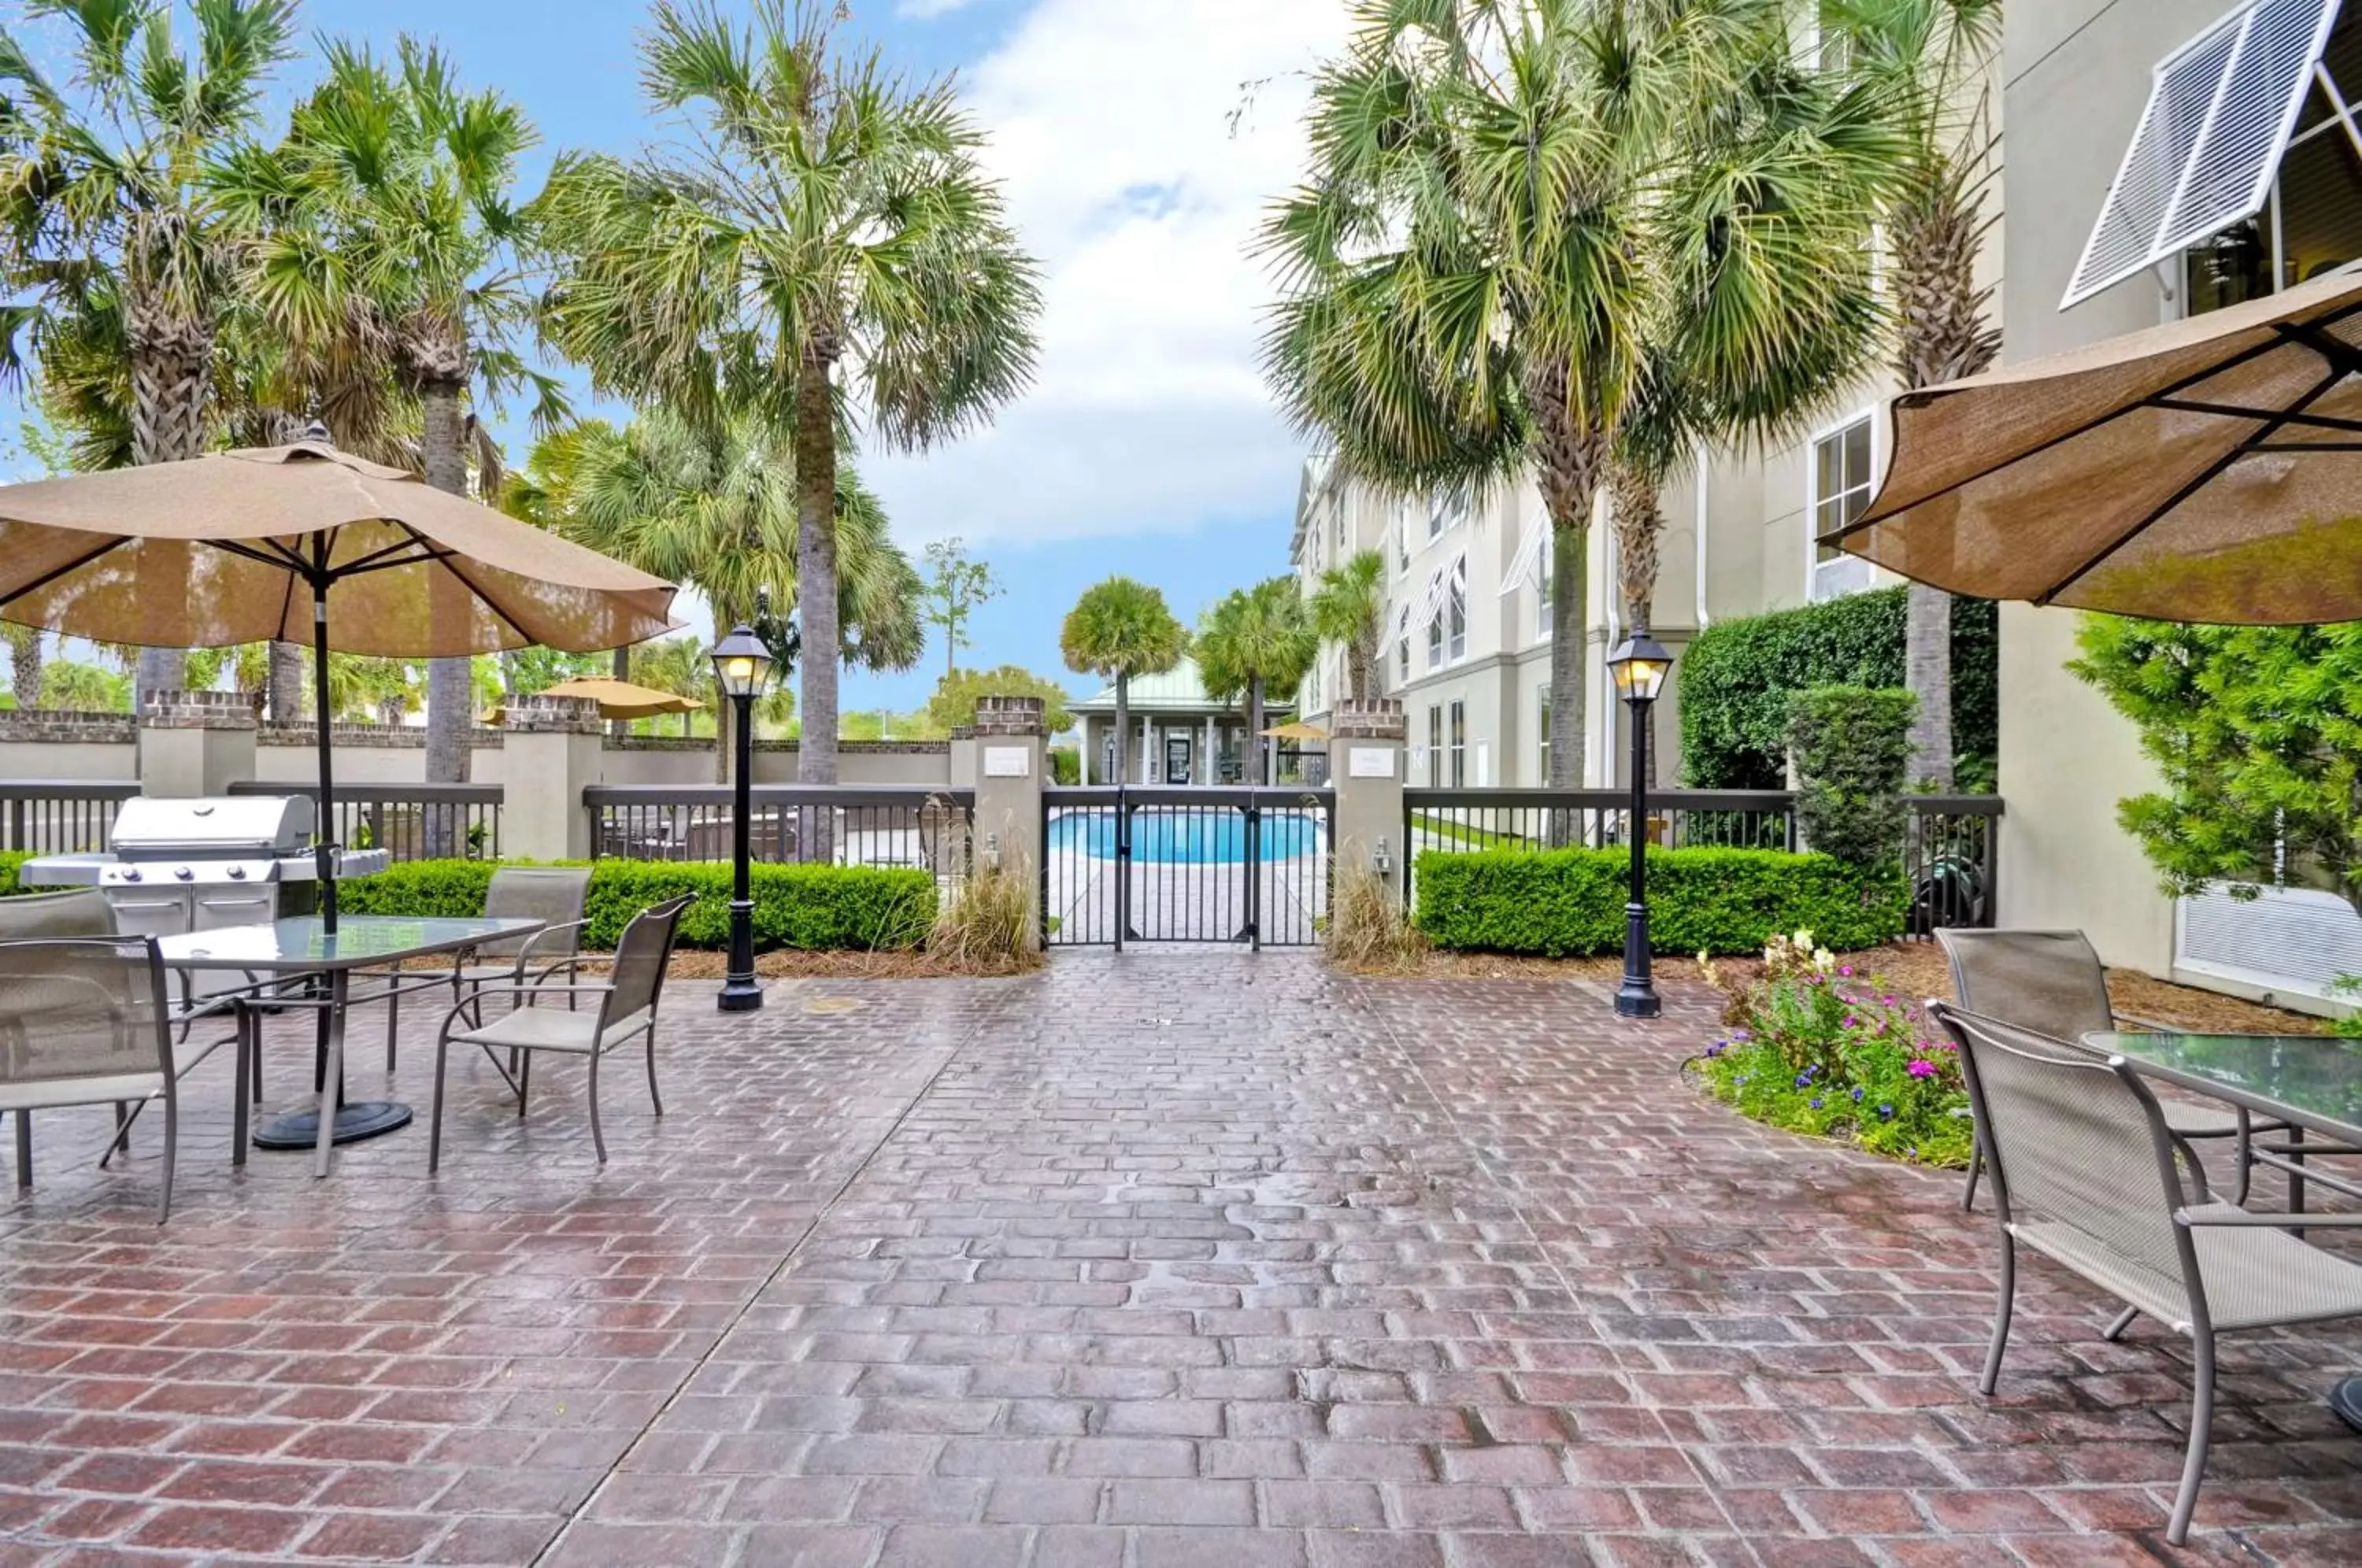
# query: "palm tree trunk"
1258,768
815,445
172,376
1640,532
1568,468
621,671
1122,726
284,683
25,665
450,682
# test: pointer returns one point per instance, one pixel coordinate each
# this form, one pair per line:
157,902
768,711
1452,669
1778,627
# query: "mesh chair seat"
553,1029
2255,1277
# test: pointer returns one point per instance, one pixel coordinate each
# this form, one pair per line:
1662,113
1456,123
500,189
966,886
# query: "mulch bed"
1912,968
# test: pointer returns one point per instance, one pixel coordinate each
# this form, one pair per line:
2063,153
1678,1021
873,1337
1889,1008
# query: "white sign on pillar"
1370,762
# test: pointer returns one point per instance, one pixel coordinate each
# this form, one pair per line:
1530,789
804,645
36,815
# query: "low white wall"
75,760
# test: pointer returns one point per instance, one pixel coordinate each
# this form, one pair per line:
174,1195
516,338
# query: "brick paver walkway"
1145,1262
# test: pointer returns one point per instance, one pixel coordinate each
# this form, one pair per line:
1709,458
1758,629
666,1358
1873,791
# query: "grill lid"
148,828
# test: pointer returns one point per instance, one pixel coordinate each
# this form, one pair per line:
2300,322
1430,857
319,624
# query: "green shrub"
9,864
1816,1048
1065,764
1736,679
808,907
1852,746
1564,903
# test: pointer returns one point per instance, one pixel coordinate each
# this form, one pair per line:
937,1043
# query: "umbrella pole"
323,852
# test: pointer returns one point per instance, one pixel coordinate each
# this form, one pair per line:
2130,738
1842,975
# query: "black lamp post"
742,662
1639,665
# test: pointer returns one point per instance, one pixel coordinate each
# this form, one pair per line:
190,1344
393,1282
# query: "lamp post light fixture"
1639,665
741,665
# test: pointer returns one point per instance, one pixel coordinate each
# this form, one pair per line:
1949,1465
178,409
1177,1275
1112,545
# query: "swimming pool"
1187,835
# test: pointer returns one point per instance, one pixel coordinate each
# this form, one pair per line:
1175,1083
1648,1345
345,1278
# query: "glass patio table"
2313,1082
301,947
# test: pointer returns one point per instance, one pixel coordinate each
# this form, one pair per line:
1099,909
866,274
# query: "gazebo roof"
1178,691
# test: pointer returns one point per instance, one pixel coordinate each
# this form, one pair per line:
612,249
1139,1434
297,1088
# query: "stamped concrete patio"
1151,1261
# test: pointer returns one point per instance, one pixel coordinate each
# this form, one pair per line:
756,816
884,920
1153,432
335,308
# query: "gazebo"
1179,734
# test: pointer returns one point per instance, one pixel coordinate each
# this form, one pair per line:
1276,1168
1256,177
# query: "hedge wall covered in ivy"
1737,678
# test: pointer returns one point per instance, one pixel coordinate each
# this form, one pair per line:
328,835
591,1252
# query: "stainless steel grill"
200,864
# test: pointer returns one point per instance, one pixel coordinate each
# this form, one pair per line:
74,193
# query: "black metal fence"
1950,849
410,821
60,817
1221,863
915,828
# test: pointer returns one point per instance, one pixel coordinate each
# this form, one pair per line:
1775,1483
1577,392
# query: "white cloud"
926,10
1139,143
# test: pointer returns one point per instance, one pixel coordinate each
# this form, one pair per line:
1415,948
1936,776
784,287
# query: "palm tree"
1260,642
1504,205
1346,609
106,205
1119,629
681,666
828,238
1928,59
385,252
718,509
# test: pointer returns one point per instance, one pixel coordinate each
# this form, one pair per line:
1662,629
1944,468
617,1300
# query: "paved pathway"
1162,1260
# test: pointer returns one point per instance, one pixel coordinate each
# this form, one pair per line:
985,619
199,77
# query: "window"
1402,541
1402,646
1435,641
1434,746
1839,481
1339,507
1546,570
1543,729
1459,745
1456,609
1435,518
2220,115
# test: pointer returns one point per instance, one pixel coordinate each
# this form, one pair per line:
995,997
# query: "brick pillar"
195,743
1365,767
552,751
1009,768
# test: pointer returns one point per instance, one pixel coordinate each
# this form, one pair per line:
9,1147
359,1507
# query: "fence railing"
409,820
914,827
1950,841
60,816
1185,864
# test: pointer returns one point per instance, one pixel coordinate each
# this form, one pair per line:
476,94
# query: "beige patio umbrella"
2205,471
616,699
1296,730
304,543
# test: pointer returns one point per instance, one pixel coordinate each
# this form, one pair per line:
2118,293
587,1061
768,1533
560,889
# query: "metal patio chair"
2085,1172
556,894
2052,982
87,1020
626,1011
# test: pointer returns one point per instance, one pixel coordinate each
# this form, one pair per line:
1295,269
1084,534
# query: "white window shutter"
1526,565
2209,142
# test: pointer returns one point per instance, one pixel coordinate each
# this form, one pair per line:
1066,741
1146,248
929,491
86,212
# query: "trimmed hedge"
9,864
1570,903
1737,677
807,906
1852,745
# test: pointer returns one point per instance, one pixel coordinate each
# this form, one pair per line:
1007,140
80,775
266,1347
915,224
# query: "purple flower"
1816,1102
1851,1021
1887,1111
1846,970
1920,1068
1857,1097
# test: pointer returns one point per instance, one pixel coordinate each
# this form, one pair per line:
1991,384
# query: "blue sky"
1138,140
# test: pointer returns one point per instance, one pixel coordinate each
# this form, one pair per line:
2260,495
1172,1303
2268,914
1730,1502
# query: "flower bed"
1814,1047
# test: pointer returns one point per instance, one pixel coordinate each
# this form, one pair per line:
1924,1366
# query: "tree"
681,666
2256,735
386,251
83,688
718,507
956,586
1346,609
952,706
1927,58
24,662
1119,629
1258,642
827,239
112,231
1505,205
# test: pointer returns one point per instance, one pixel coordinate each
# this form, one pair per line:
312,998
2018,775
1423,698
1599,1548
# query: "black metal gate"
1205,863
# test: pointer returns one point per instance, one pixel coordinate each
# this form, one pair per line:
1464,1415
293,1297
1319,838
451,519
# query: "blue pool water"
1186,838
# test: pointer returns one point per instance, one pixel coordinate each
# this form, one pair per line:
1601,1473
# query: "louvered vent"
2202,157
2293,941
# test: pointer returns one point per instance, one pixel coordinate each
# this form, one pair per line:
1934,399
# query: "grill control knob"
131,874
184,874
237,873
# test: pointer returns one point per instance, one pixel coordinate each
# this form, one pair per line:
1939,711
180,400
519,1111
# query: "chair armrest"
525,950
2247,1217
524,993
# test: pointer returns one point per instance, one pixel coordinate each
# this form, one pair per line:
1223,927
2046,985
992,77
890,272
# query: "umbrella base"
366,1119
2347,1400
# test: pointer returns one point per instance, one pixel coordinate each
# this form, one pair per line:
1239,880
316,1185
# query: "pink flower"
1921,1069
